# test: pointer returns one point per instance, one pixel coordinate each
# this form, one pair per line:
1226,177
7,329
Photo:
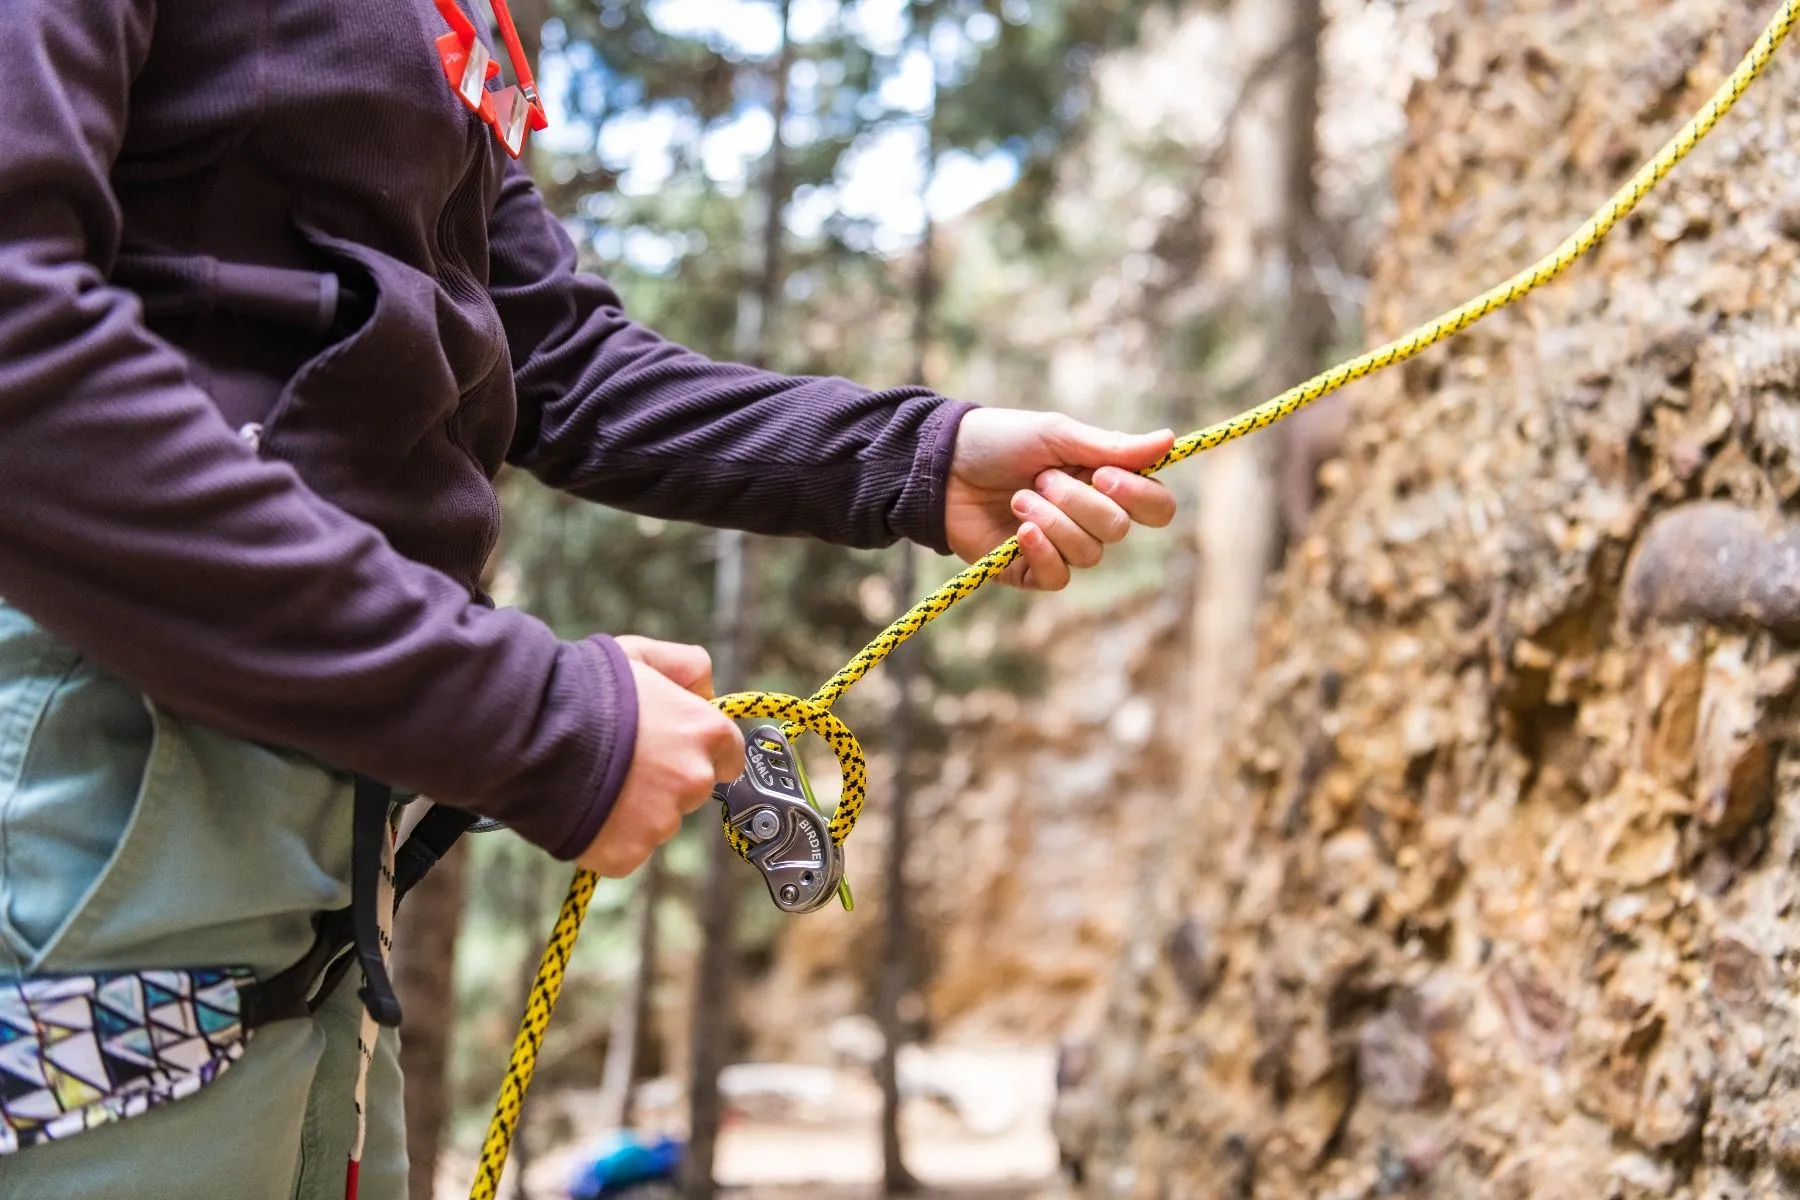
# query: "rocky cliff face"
1494,891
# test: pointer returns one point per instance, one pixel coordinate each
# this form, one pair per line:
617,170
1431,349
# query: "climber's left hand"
1067,489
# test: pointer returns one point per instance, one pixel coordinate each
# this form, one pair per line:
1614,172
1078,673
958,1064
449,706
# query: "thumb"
1081,445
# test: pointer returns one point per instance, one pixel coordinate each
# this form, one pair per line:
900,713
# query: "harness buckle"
772,806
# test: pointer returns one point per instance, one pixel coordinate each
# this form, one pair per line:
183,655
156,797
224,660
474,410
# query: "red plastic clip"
469,66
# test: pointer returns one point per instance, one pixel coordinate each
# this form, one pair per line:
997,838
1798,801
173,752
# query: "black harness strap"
429,841
370,832
299,990
352,935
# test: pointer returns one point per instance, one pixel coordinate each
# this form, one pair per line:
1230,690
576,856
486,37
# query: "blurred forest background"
1382,829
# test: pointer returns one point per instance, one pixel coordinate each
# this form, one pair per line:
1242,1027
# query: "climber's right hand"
684,746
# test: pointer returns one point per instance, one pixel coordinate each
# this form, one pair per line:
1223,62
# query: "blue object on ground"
625,1160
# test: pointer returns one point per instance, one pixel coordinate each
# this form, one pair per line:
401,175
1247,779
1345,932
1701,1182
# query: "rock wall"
1494,892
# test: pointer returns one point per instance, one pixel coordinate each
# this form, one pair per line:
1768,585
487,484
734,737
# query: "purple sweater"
274,310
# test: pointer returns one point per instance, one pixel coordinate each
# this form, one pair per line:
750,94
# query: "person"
277,303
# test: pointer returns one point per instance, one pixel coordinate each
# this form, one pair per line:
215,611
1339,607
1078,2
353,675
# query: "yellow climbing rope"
815,713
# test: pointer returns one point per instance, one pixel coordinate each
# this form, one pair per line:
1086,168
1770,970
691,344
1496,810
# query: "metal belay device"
771,806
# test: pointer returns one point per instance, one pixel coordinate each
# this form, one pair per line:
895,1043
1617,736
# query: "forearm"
138,528
614,412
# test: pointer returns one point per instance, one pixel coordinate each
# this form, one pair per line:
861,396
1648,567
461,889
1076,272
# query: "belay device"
772,806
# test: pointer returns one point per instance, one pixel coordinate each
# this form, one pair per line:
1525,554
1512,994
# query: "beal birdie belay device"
771,806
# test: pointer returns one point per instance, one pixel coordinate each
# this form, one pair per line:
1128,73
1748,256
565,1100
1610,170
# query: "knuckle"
617,861
726,739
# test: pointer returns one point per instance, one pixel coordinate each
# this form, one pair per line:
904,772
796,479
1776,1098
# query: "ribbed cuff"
609,661
919,516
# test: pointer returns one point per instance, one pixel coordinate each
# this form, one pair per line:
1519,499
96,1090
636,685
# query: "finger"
725,750
1016,571
1144,500
1045,568
1098,514
666,823
688,667
693,799
617,861
1075,544
1082,445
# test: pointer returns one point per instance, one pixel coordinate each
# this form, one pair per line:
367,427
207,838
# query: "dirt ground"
976,1127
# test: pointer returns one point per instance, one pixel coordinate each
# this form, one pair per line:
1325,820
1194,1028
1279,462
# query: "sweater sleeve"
613,412
136,525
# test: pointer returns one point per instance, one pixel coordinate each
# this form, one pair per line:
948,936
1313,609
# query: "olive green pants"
132,839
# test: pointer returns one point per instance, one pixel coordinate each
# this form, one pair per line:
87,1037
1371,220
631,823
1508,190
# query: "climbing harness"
815,713
78,1051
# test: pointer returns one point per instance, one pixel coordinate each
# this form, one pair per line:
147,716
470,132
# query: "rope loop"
797,714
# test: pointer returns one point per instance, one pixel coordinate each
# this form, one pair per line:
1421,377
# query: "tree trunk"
713,1014
1281,325
643,994
710,1037
893,973
631,1017
898,955
1492,892
425,935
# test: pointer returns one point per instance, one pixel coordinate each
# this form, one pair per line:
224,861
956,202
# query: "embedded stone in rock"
1740,976
1397,1064
1193,961
1716,563
1536,1013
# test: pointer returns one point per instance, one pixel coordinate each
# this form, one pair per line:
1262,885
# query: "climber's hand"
684,746
1067,489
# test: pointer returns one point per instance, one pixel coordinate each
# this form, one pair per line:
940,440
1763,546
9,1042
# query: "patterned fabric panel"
77,1051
